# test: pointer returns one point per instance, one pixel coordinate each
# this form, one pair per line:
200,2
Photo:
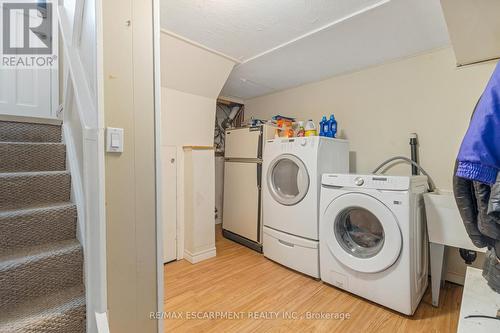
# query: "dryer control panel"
289,144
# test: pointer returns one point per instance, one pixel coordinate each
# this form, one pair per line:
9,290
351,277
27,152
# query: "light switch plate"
114,140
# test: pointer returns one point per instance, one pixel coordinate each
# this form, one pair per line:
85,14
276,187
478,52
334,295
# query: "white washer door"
287,179
362,233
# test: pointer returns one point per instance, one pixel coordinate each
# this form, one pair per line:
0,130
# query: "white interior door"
169,190
241,199
28,92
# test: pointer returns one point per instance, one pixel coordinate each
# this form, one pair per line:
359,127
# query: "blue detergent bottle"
332,127
323,126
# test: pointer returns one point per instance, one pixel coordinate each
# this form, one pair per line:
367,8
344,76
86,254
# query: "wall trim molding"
315,31
201,46
199,255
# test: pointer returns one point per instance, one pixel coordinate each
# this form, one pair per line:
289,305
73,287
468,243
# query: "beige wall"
130,176
377,108
188,119
191,79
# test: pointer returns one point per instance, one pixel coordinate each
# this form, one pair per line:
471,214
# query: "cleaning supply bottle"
301,131
332,127
310,128
323,126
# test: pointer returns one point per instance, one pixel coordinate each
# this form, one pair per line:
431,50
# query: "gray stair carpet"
41,261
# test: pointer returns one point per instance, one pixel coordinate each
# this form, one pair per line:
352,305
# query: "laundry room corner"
340,156
192,78
424,94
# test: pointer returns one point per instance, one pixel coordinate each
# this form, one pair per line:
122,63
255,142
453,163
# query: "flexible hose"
432,186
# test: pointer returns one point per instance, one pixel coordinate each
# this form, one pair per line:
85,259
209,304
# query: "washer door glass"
359,232
288,179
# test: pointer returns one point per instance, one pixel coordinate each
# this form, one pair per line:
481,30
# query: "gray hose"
432,186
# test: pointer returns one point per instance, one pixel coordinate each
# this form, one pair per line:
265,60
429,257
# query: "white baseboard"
199,256
102,322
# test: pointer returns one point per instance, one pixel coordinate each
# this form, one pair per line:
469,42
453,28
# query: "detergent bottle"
310,128
332,127
301,131
323,126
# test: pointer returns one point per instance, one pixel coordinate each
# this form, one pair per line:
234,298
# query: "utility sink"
444,223
445,228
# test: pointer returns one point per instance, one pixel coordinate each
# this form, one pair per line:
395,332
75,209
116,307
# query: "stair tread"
44,306
6,118
32,173
27,143
36,208
25,255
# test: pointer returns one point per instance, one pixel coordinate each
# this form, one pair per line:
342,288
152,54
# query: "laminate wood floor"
241,291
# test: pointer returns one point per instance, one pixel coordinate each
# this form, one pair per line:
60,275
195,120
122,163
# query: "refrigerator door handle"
259,176
260,144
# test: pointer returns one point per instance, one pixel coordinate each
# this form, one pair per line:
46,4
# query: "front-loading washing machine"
292,169
373,239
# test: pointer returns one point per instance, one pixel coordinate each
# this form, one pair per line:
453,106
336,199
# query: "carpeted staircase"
41,261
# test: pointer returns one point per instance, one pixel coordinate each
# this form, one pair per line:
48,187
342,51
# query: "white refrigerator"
242,210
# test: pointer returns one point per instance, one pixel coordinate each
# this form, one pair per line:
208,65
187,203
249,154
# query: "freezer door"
243,143
242,199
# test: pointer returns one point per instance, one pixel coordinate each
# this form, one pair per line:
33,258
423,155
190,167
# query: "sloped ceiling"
285,43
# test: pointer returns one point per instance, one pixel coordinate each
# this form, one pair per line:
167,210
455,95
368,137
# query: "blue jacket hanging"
479,155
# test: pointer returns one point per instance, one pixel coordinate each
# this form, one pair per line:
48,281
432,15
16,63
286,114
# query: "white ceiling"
286,43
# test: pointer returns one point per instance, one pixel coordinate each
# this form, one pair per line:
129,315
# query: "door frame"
166,156
158,162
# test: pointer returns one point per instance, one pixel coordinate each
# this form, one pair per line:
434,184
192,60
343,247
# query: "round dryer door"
287,179
362,233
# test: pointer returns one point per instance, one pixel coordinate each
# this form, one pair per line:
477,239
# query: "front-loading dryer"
373,239
292,169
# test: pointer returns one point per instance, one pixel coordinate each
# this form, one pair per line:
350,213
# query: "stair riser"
63,311
18,157
33,189
18,230
28,132
70,321
71,318
40,276
73,321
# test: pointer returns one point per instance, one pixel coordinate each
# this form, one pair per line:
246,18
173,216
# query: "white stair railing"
80,26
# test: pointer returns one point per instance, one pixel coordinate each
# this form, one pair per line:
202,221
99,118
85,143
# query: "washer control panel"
379,182
359,181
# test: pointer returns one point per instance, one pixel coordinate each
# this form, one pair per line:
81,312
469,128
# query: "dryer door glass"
359,232
288,179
